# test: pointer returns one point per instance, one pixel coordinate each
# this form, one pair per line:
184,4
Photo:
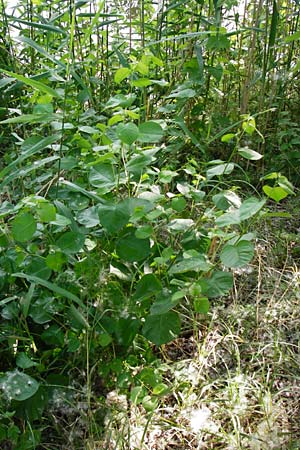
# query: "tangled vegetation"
149,225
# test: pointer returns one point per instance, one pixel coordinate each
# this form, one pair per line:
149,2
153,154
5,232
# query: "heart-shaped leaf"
162,328
237,255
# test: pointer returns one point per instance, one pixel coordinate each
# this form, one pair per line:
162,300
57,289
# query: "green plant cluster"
117,227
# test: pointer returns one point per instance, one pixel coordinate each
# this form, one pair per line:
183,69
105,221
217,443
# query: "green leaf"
144,232
147,286
114,216
237,255
71,242
46,211
33,118
38,268
102,176
180,225
41,87
247,153
127,133
23,227
219,42
142,82
227,137
24,362
293,37
51,286
161,329
41,26
250,207
88,217
201,305
183,93
193,264
276,193
29,147
131,249
55,261
165,301
150,132
219,284
121,74
18,386
53,335
76,315
220,169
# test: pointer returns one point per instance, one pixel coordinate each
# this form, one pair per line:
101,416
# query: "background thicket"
149,224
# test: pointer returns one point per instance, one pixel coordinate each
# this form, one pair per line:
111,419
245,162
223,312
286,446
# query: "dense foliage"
140,144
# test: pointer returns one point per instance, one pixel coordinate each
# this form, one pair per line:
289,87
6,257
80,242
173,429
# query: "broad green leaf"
88,217
161,329
41,87
53,335
23,227
131,249
180,225
46,211
228,137
120,100
194,264
201,305
276,193
150,403
102,176
24,362
114,216
249,125
18,386
237,255
38,268
147,286
164,302
166,176
219,42
220,169
150,132
71,242
247,153
144,232
139,163
127,133
51,286
183,93
286,185
121,74
219,284
55,261
178,204
250,207
142,82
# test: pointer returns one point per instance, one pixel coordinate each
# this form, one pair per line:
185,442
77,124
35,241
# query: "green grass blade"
32,83
41,26
34,118
34,149
51,286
